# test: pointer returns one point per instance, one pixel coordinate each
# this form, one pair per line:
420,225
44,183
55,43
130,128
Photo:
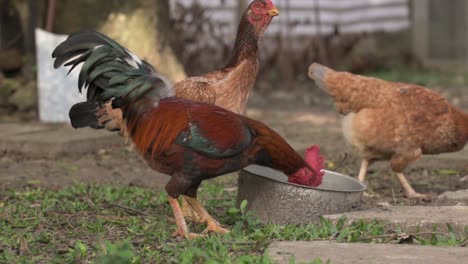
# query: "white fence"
297,17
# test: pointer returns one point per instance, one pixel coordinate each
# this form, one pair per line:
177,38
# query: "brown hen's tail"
318,73
351,92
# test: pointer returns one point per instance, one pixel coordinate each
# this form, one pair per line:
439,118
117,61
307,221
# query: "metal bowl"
273,200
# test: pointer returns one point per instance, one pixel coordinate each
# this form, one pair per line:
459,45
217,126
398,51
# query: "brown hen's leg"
182,229
398,163
212,224
363,170
408,190
189,212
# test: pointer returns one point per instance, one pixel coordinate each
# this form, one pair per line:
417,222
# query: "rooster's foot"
189,213
188,235
211,224
215,227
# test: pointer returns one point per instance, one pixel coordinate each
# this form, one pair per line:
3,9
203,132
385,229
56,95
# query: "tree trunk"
143,27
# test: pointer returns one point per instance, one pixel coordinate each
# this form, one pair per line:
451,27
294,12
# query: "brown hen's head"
260,13
310,176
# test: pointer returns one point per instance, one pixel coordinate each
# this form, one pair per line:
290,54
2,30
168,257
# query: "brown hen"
393,121
230,86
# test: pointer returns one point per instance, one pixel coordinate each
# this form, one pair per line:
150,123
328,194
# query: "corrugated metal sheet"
298,16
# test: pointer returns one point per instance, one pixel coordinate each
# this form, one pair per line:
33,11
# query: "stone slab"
455,197
414,218
357,253
53,140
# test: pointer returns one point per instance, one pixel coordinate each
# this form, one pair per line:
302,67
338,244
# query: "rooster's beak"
274,12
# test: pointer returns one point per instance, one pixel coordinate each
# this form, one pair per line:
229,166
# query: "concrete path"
42,140
414,218
357,253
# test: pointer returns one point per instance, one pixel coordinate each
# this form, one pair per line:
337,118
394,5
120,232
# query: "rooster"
188,140
393,121
228,87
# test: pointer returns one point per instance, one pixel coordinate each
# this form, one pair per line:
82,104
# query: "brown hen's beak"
274,12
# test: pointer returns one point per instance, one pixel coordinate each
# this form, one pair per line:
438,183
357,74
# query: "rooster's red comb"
315,160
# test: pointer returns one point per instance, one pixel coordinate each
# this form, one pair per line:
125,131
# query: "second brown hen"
393,121
230,86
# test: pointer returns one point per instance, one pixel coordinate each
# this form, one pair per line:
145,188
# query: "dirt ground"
304,117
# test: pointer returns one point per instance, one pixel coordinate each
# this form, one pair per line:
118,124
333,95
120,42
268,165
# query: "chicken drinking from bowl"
190,141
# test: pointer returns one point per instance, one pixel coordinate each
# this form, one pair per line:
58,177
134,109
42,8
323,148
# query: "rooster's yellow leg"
212,224
182,229
189,213
363,170
408,189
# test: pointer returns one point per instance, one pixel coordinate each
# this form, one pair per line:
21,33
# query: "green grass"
103,224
